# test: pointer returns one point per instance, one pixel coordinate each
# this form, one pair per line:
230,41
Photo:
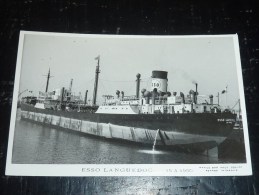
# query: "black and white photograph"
128,105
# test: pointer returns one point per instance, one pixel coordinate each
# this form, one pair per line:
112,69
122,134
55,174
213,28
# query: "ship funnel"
182,96
143,92
62,93
70,86
147,95
211,99
192,94
138,85
118,93
154,94
159,81
160,93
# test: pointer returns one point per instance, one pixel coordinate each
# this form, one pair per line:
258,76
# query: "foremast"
97,71
47,84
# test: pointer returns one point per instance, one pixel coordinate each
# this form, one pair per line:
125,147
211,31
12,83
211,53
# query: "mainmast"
138,84
97,71
48,77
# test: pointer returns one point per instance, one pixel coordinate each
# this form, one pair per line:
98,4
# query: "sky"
209,61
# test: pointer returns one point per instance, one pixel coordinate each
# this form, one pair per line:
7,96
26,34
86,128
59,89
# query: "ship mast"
97,71
138,84
86,96
48,77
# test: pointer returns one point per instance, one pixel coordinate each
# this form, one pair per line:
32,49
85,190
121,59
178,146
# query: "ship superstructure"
158,100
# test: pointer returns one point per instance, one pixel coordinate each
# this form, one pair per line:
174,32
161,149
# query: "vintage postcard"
119,105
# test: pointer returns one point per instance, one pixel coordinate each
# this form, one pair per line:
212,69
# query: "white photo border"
234,169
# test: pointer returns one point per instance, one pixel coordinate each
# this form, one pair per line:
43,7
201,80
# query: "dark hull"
213,124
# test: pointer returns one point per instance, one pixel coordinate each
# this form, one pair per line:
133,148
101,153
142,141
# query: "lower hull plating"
164,139
210,124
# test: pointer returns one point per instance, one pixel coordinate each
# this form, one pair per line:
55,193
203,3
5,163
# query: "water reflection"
153,152
34,144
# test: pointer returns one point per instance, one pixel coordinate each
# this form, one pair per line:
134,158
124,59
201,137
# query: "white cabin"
118,109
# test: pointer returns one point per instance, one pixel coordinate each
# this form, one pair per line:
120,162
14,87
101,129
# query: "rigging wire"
148,82
141,80
235,104
103,87
115,81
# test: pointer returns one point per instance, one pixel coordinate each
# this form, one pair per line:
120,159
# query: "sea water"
39,144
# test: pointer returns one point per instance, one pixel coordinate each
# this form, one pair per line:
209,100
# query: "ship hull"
212,124
169,132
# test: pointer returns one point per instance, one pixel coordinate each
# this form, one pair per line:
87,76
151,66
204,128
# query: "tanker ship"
170,120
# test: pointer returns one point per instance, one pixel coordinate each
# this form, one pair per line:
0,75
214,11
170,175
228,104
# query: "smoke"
186,76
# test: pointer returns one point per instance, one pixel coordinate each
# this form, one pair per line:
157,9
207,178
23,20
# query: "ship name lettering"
114,170
91,169
230,120
227,120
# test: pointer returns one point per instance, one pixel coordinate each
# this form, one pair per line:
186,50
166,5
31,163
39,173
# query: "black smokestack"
118,93
154,93
62,94
182,95
211,99
138,85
